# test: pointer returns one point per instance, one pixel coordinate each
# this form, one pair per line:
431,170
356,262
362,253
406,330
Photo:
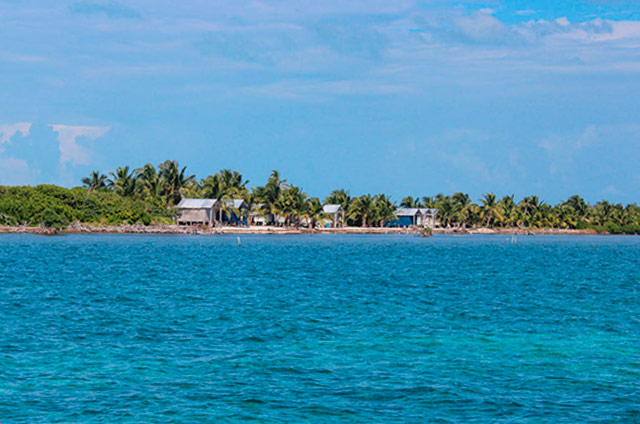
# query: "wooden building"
428,217
197,211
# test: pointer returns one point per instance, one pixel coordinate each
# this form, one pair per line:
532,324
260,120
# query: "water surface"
325,328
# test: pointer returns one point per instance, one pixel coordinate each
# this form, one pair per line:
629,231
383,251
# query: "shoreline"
175,229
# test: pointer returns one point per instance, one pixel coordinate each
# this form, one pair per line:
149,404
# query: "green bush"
613,228
631,229
57,207
583,225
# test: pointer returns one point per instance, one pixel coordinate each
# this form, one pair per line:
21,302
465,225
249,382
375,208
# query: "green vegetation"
458,211
57,207
149,194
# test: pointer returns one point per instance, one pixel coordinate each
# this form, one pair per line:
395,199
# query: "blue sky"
401,97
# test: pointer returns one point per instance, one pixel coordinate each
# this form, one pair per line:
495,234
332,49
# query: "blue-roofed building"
406,217
235,212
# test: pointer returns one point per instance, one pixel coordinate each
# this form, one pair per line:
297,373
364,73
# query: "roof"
407,212
332,209
196,203
429,211
236,203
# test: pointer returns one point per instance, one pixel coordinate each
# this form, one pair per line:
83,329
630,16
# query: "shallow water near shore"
323,328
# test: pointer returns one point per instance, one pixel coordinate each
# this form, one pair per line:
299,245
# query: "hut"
197,211
257,216
428,217
337,214
235,212
406,217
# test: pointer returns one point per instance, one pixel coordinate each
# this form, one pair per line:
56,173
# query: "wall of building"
402,221
195,215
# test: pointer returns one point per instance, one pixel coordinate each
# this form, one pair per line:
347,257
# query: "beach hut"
235,212
406,217
257,216
337,214
197,211
428,217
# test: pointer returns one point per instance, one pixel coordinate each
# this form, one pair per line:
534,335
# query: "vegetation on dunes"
149,194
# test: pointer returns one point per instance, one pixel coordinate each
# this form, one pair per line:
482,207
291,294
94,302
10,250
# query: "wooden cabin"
428,217
197,211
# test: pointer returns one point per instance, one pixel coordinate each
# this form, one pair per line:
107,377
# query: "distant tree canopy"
149,194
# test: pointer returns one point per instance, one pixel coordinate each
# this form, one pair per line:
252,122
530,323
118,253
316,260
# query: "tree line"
459,211
150,193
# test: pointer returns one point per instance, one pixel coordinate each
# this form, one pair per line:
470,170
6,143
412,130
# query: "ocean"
319,329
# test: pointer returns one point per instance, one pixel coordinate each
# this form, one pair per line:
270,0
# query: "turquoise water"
326,329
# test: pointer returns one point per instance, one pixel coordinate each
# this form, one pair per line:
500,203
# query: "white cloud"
70,150
7,131
526,12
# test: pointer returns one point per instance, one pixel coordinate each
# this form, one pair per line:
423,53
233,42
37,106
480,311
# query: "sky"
401,97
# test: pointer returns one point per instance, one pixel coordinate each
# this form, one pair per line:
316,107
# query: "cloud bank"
70,150
7,131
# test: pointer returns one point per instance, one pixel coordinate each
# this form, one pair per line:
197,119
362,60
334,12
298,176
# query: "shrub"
56,207
613,228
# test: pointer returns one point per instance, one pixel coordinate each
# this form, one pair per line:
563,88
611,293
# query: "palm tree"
339,197
175,179
314,211
529,206
445,210
233,180
384,209
508,209
490,209
95,181
578,204
361,209
428,202
461,208
269,194
122,181
565,216
631,214
149,182
224,184
410,202
211,187
291,204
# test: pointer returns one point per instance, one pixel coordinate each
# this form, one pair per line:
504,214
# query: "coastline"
176,229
